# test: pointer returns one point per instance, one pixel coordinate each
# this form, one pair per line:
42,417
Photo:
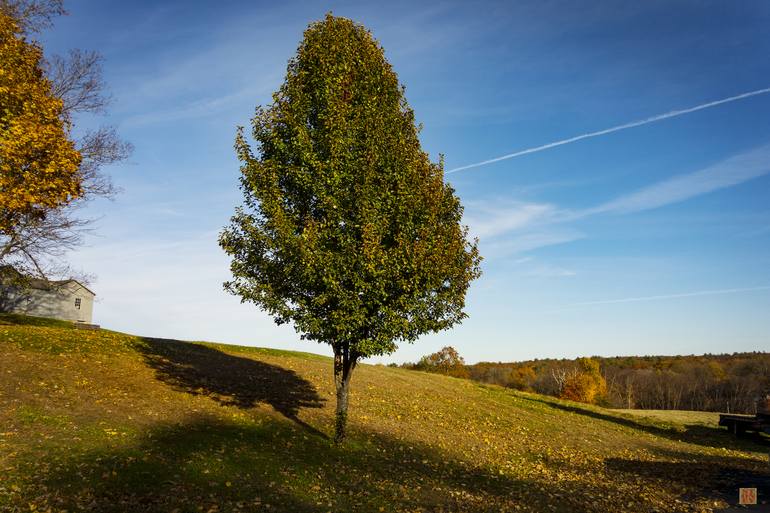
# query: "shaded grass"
102,421
9,319
237,466
229,379
706,434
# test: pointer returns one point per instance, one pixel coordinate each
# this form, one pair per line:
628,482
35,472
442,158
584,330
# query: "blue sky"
649,240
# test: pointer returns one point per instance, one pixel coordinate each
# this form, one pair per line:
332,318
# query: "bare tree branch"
99,148
77,80
33,15
38,242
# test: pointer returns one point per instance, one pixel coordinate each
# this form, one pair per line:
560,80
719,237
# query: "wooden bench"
740,424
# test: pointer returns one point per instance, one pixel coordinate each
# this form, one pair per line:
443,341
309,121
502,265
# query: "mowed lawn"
103,421
704,418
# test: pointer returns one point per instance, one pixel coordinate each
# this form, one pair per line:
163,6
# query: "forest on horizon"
732,383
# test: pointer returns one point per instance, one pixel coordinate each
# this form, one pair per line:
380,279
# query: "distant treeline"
735,382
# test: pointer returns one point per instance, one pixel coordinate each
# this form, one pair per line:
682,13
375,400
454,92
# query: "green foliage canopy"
348,229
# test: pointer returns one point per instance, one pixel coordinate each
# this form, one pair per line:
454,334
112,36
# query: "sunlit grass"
103,421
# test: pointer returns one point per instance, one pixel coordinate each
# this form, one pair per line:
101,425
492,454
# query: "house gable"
66,299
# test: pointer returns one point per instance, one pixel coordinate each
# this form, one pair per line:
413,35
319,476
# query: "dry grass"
102,421
703,418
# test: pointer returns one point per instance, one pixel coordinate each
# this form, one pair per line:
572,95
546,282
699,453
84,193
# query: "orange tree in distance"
586,384
446,361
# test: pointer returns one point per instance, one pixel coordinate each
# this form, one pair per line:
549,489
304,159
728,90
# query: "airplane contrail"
672,296
653,119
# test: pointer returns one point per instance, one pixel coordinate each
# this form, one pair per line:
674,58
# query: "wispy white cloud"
203,107
511,228
174,289
732,171
493,219
530,266
625,126
524,242
672,296
545,270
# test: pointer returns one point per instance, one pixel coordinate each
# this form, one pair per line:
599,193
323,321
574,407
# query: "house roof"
41,284
63,282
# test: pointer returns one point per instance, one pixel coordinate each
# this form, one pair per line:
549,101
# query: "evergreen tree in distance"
347,230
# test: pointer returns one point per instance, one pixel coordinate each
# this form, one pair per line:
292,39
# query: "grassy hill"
103,421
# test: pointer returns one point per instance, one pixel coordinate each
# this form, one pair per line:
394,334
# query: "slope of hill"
103,421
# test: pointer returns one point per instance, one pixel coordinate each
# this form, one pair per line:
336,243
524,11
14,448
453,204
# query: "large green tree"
348,230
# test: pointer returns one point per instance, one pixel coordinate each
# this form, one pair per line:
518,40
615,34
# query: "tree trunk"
344,363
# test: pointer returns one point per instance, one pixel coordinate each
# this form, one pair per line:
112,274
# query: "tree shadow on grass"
693,433
244,466
716,477
230,380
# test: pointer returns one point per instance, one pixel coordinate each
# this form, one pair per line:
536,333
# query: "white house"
67,300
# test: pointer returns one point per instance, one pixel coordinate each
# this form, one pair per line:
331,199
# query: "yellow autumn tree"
586,384
39,163
521,378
